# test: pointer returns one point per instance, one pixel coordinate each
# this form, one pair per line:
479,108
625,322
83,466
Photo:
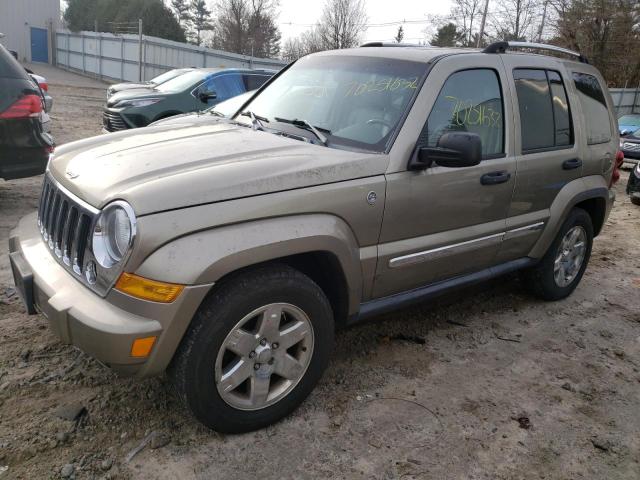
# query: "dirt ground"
487,384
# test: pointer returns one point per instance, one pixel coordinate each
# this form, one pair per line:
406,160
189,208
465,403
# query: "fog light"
146,289
141,347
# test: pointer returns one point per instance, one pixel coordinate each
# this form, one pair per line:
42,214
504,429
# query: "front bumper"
105,328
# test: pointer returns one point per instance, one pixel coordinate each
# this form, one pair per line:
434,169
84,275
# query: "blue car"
629,123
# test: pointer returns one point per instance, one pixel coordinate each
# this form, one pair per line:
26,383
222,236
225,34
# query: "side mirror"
207,95
454,150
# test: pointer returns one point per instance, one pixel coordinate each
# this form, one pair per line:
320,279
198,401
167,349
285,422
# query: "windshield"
357,102
231,106
630,120
166,76
182,82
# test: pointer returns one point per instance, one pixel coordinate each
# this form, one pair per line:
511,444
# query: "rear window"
594,108
9,66
254,81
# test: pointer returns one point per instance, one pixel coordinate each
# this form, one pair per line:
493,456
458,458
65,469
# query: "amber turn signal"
141,347
146,289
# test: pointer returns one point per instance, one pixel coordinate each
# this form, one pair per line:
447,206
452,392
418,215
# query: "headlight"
113,233
143,102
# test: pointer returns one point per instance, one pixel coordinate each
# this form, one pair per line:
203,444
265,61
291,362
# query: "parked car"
355,182
24,146
46,98
160,79
190,92
225,109
633,185
630,146
628,123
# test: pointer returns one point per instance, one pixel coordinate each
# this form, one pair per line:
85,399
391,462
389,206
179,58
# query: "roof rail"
501,47
390,44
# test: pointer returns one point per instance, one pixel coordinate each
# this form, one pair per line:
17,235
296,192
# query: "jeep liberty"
353,183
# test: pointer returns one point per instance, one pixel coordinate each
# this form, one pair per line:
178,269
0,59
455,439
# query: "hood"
192,118
144,92
118,87
627,129
176,166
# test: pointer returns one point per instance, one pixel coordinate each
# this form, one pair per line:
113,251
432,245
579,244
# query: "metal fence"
626,100
118,57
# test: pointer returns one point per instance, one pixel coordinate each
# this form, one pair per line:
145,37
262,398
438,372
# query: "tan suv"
354,182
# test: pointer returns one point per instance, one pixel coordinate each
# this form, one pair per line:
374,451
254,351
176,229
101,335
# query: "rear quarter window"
594,108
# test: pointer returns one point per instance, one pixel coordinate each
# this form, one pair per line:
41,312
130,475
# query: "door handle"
571,164
493,178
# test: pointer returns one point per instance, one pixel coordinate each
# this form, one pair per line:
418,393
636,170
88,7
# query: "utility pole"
483,23
544,18
139,50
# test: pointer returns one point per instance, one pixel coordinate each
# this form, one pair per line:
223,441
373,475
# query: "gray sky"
296,15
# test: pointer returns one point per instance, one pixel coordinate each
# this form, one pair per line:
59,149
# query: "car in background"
226,109
633,185
628,123
630,146
47,99
191,92
160,79
24,146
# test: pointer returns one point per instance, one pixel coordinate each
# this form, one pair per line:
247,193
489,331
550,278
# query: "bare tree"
247,27
516,19
342,23
466,14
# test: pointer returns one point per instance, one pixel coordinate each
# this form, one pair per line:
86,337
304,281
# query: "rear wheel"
561,269
255,349
635,200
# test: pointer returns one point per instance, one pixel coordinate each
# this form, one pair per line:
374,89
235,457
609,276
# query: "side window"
226,86
254,81
594,107
470,101
545,117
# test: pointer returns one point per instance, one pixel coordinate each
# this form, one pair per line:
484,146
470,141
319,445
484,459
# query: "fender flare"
207,256
570,195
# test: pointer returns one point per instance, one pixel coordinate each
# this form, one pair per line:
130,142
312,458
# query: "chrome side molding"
469,245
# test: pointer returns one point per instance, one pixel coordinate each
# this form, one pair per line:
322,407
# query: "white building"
29,28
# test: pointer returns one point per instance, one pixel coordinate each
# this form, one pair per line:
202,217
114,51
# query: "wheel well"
323,268
596,208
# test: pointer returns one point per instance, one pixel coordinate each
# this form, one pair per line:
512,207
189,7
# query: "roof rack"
390,44
501,47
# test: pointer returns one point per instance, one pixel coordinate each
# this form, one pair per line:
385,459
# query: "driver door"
444,222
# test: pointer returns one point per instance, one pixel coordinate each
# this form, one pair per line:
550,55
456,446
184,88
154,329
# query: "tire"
199,364
541,279
635,200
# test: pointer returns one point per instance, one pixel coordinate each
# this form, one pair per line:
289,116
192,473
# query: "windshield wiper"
256,120
307,126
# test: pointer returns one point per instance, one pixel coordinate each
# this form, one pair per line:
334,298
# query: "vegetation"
123,15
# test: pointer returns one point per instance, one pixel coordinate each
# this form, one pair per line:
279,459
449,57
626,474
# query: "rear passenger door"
547,154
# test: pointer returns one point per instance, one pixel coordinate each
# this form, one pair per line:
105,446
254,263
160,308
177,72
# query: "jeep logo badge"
372,197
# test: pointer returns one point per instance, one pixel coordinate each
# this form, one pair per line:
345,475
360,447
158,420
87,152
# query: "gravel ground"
486,384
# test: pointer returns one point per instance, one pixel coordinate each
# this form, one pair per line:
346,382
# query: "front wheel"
561,269
255,349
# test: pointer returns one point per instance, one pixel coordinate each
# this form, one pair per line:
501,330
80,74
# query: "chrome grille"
65,224
631,147
112,121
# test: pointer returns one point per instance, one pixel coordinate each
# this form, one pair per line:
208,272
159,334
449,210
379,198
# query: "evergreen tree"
200,19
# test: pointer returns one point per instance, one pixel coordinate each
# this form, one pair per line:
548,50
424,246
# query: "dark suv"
24,147
190,92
